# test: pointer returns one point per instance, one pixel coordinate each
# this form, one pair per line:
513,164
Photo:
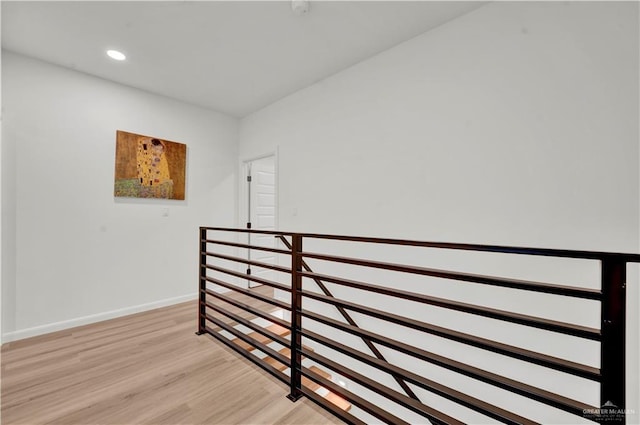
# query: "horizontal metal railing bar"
538,394
249,262
250,309
569,291
243,230
345,416
365,405
242,245
267,367
433,415
425,383
249,293
506,316
248,277
562,365
502,249
259,329
240,335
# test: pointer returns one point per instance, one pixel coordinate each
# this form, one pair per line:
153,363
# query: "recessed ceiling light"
114,54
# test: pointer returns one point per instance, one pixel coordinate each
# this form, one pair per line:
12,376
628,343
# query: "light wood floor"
148,368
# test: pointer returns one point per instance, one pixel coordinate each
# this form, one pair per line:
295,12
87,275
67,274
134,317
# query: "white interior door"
261,212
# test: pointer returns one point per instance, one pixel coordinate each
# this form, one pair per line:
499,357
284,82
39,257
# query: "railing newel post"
612,347
296,319
202,284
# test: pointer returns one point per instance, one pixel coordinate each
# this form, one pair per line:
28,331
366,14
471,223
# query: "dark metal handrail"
501,249
611,335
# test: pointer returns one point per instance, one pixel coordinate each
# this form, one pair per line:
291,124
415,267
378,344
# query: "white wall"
72,253
516,124
512,124
1,185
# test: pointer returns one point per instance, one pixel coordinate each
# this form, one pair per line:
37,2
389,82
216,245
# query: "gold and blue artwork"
149,167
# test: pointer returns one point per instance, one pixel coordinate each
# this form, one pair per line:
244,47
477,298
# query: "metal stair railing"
610,297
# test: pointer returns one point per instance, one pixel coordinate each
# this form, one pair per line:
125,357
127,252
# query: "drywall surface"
512,124
516,124
72,252
1,244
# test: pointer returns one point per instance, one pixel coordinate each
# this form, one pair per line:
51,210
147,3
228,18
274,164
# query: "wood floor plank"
148,368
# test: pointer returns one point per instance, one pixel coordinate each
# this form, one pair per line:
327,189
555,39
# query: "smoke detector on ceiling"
300,7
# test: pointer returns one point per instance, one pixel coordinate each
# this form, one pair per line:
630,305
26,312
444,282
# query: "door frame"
242,187
243,196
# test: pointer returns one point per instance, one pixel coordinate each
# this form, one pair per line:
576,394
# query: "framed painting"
148,167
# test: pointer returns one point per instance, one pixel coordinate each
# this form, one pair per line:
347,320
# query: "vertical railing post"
202,283
612,347
296,319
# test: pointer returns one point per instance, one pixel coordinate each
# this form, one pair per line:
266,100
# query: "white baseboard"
85,320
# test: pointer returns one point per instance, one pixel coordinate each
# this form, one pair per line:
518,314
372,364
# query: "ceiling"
231,56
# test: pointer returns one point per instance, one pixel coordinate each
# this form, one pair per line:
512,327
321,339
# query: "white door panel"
262,213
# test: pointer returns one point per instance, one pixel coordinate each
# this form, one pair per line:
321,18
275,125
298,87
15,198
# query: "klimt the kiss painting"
148,167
